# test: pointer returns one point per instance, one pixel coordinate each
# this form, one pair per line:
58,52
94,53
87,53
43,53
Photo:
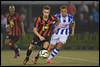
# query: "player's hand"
41,38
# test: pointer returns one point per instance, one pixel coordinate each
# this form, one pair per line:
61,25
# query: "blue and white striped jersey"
64,23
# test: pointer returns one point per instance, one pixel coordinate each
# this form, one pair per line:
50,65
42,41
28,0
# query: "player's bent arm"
37,34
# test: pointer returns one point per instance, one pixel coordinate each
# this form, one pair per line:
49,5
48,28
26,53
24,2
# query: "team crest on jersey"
46,26
11,22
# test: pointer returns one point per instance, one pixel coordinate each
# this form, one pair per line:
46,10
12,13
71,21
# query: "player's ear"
49,11
42,11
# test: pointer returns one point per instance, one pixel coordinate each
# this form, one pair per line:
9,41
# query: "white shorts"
58,38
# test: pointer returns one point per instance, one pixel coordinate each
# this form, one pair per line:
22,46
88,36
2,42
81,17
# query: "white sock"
53,54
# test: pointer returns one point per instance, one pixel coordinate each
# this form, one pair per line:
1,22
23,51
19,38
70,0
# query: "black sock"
37,56
28,52
16,49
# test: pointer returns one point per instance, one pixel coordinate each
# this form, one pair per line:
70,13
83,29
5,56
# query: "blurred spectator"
95,5
94,16
71,8
83,8
3,29
83,12
22,23
23,19
3,22
82,24
30,30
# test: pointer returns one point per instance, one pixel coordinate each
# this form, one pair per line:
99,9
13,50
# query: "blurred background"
86,14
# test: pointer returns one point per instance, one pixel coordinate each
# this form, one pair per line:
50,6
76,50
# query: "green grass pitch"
64,58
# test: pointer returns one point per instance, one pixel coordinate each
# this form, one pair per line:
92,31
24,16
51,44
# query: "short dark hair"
63,7
46,7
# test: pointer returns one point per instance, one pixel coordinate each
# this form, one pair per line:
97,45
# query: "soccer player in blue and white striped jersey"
61,32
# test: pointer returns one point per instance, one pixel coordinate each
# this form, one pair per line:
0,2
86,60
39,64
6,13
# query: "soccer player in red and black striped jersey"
14,29
42,32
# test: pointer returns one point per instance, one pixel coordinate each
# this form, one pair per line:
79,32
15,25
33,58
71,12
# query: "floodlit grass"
64,58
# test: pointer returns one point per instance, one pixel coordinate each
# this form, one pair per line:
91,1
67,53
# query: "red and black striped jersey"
44,27
16,29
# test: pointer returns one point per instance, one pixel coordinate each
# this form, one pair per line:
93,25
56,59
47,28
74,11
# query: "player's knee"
11,45
50,47
59,45
30,46
45,45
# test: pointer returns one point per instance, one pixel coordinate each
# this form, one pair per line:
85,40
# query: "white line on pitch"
78,59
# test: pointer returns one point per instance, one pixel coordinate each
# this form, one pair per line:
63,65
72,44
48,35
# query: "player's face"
46,13
12,10
63,12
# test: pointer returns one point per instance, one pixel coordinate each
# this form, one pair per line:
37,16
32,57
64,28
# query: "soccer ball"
43,53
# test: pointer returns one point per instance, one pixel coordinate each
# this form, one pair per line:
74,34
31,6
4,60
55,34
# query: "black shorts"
13,38
37,41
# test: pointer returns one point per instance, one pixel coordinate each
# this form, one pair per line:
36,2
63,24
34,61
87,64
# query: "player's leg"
10,41
56,50
16,48
53,42
28,53
45,46
51,46
29,50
